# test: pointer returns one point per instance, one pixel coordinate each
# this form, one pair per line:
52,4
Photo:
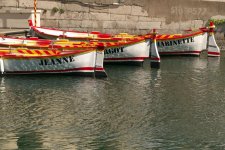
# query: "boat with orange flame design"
123,50
192,43
32,56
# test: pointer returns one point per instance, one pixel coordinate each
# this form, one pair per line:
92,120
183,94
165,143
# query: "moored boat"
52,33
79,60
192,43
189,44
121,48
133,50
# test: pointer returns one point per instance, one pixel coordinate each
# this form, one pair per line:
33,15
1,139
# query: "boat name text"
114,50
175,42
56,61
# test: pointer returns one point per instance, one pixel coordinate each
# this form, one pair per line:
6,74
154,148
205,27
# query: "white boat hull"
190,45
132,53
82,64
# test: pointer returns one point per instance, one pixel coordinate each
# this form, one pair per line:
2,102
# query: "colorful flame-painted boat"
172,44
133,51
189,44
78,60
129,50
121,48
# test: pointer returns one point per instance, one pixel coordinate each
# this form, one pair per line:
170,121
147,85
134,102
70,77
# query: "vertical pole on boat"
2,65
212,47
35,13
99,70
154,58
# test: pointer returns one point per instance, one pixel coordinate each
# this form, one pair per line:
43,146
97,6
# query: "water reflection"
180,105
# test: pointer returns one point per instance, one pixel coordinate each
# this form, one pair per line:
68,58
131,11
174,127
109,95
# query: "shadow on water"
177,106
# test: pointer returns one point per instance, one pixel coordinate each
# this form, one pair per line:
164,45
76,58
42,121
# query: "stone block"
171,28
186,25
112,31
76,16
148,25
14,11
28,3
109,25
75,29
70,23
66,15
126,24
49,15
141,18
2,23
14,20
117,17
86,16
160,19
137,32
143,31
138,11
48,5
172,25
121,10
99,16
198,23
132,18
74,7
121,24
50,23
131,25
100,10
11,3
17,23
86,24
97,24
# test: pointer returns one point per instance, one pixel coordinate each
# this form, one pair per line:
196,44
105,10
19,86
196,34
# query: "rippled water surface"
179,106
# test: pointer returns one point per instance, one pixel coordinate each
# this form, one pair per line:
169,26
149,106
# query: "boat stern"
213,49
99,69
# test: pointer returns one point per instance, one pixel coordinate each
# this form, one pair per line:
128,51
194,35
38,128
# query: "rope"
35,13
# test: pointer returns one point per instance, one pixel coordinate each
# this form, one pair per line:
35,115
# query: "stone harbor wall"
114,16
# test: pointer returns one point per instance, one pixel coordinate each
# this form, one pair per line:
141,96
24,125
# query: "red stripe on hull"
155,58
129,59
214,53
91,69
99,69
181,53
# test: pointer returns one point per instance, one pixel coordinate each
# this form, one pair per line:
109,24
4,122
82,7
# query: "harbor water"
179,106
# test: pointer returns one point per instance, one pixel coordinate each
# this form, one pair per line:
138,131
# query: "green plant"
216,21
55,10
61,11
